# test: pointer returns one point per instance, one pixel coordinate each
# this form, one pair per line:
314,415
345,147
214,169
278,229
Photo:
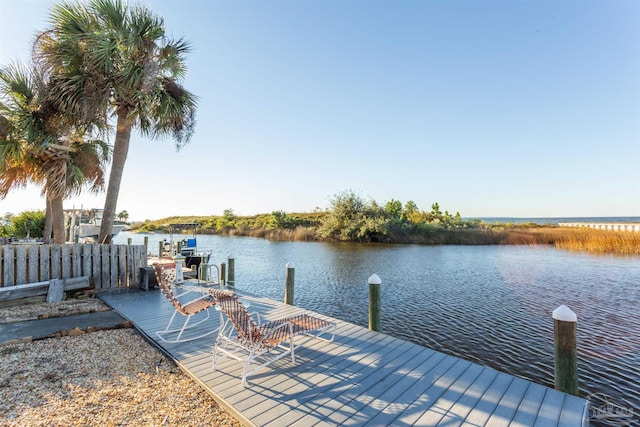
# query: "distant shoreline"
556,220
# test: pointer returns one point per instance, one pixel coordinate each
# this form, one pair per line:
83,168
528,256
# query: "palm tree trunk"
48,222
57,212
120,151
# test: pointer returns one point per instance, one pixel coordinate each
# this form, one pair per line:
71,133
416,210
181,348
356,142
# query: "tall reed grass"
598,241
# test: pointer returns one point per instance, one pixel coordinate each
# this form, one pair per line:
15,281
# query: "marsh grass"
598,241
304,234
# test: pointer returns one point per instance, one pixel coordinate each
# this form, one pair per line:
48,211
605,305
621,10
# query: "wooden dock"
362,378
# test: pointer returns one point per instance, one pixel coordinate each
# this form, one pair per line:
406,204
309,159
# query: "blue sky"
490,108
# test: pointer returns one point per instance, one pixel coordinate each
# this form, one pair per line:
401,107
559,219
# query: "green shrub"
27,224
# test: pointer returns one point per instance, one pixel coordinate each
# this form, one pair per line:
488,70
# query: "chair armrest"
178,295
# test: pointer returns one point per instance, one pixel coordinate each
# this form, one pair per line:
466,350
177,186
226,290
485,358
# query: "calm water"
488,304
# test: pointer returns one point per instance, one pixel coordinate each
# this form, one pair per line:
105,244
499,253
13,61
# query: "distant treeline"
352,219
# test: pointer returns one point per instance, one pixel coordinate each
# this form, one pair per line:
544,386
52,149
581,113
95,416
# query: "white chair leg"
170,321
184,326
293,356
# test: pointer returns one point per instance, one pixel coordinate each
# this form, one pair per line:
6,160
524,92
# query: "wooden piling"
160,249
146,244
202,271
223,273
129,241
374,302
565,325
289,283
231,270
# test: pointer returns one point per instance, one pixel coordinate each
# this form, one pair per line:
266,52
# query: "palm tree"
123,216
38,144
109,59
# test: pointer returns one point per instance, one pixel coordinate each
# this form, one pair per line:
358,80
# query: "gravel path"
107,378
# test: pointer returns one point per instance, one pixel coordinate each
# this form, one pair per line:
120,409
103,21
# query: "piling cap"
231,255
564,314
290,265
375,280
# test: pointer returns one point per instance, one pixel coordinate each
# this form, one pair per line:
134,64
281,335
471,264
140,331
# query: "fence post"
565,325
374,302
231,271
289,283
223,274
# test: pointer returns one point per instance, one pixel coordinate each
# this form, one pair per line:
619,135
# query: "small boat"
88,228
183,241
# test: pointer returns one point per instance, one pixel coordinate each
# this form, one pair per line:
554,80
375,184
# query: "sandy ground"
107,378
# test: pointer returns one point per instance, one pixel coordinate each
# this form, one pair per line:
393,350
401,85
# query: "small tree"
436,214
351,219
227,220
393,209
280,219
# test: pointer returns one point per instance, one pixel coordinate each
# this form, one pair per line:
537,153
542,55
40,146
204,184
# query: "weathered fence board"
65,261
21,265
23,291
114,265
96,266
104,266
8,293
76,258
34,269
8,265
45,260
131,268
55,261
86,259
122,265
106,279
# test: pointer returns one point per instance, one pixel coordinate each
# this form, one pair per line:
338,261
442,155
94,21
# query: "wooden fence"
108,266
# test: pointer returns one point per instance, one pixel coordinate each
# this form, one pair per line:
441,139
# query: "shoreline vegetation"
350,219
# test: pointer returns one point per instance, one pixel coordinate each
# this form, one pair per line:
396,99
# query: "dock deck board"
361,378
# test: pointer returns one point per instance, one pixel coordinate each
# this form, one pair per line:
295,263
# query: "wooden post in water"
565,325
160,249
129,241
374,302
223,274
231,272
146,244
290,279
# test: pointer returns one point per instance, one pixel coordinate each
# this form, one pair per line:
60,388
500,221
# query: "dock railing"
107,266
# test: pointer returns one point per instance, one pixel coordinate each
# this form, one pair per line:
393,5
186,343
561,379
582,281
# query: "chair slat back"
165,276
232,307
